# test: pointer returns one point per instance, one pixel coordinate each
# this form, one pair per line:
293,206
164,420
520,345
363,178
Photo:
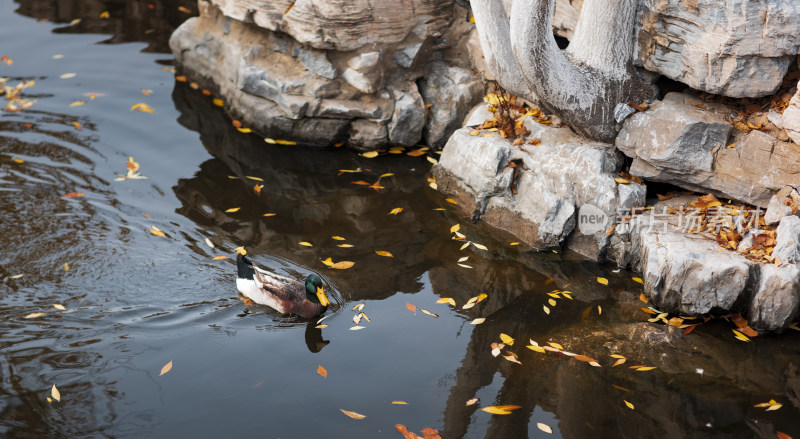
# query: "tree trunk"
581,85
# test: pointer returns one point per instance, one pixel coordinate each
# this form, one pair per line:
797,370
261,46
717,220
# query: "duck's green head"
314,290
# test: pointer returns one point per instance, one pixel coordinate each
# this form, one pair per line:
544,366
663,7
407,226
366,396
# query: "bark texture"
583,84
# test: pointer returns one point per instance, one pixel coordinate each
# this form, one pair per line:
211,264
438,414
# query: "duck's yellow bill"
323,299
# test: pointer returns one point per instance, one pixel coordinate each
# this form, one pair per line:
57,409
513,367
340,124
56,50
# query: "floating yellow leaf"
167,367
425,311
432,160
399,403
740,336
217,258
455,228
17,276
637,280
507,339
630,406
644,368
513,243
370,154
602,280
535,348
17,160
345,245
66,266
218,102
156,231
270,141
395,211
353,415
552,302
34,315
384,253
321,370
356,328
307,244
599,310
447,300
451,201
232,209
245,130
285,142
343,265
546,309
619,362
208,242
257,188
328,262
338,238
77,125
77,103
544,427
500,409
55,393
411,307
59,306
144,108
269,214
556,345
240,250
67,75
478,321
472,401
105,14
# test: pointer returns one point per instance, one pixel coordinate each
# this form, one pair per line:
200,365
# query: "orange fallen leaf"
399,403
144,108
384,253
73,195
501,409
321,370
218,258
411,307
184,9
353,415
167,367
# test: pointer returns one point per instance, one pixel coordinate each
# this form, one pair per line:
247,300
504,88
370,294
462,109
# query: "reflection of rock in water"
312,203
151,21
314,339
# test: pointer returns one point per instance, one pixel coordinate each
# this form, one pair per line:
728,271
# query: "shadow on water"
135,301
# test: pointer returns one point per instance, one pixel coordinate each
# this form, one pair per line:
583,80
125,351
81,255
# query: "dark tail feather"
245,267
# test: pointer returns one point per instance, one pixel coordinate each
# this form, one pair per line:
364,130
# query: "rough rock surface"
677,142
788,236
736,48
559,178
690,274
791,118
316,89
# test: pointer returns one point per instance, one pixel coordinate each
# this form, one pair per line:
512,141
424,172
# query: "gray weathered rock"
737,48
777,297
451,92
561,176
367,134
678,143
788,237
622,111
315,61
791,118
405,57
365,72
408,118
776,210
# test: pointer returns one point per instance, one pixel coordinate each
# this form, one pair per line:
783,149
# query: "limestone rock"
451,92
565,187
788,237
367,135
678,143
791,118
775,302
365,72
408,119
736,48
779,207
315,61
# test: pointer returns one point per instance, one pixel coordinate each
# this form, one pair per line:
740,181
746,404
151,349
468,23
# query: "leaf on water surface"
637,280
353,415
321,326
782,435
321,370
306,244
480,246
356,328
432,160
739,336
395,211
619,361
34,315
599,310
141,106
513,243
748,331
17,276
208,242
219,258
556,345
416,152
546,309
466,244
105,15
357,319
552,302
77,103
147,92
156,231
425,311
285,142
345,245
59,306
500,409
399,403
338,238
77,125
358,307
512,359
232,210
218,102
167,367
622,180
411,307
257,188
472,401
496,347
478,321
73,195
507,339
66,266
68,75
360,182
630,406
451,201
343,265
269,214
455,228
384,253
240,250
644,368
55,393
464,265
544,427
536,348
370,154
447,300
18,160
463,259
602,280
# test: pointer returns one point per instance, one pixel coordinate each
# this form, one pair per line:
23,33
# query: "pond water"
134,301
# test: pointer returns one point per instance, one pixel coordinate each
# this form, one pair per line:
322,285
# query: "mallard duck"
282,294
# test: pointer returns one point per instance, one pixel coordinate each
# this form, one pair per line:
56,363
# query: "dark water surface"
135,301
